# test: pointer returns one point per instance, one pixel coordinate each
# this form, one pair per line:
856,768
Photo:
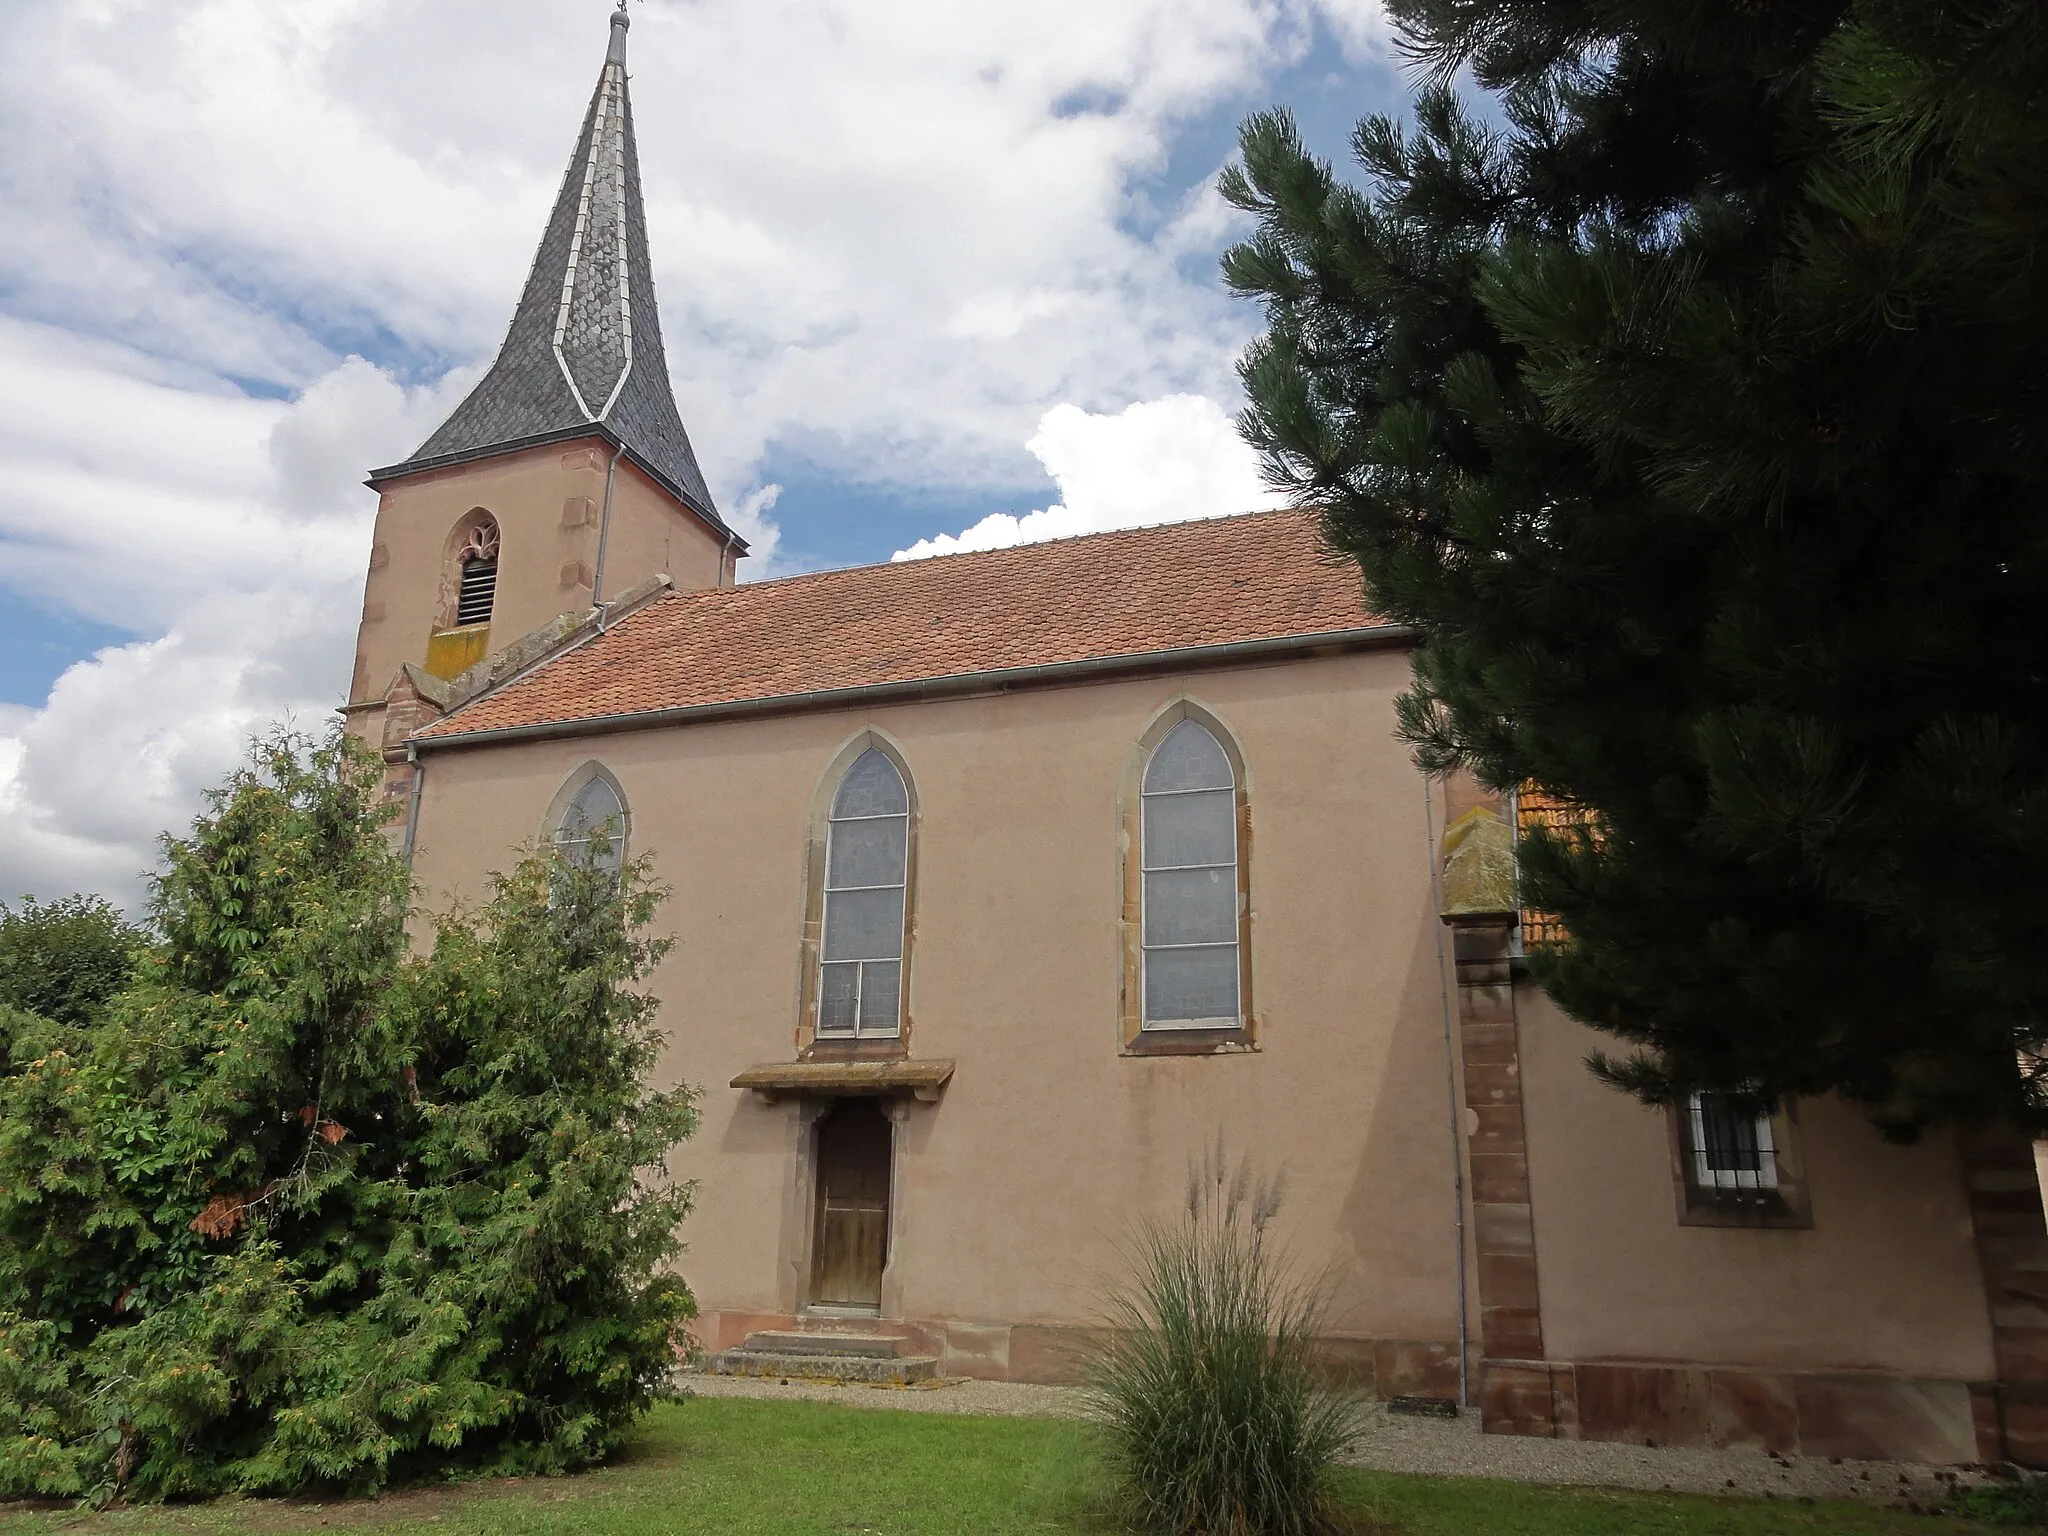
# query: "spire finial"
616,54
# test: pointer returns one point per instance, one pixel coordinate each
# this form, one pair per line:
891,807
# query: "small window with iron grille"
1732,1147
1737,1165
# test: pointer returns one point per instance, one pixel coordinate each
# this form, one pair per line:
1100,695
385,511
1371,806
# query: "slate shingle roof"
584,348
1139,592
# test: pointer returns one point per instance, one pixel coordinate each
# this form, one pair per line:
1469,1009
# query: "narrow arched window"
477,575
592,831
1190,876
867,857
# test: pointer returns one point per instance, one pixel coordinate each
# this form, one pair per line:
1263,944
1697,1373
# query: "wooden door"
852,1240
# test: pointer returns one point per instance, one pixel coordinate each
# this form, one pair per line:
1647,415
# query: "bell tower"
563,485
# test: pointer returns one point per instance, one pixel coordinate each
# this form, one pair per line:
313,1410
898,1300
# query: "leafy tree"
304,1206
64,959
1693,412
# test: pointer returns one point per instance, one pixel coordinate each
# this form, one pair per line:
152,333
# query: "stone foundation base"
1053,1354
1854,1415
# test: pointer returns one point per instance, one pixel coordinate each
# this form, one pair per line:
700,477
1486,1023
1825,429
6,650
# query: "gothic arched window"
477,573
1188,866
867,868
593,826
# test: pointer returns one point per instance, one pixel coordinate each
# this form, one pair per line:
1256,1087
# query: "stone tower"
562,489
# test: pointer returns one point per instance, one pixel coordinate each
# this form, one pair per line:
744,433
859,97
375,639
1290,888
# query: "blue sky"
917,265
37,644
829,519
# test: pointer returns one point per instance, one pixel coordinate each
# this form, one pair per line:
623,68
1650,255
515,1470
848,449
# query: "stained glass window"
867,851
1189,869
592,830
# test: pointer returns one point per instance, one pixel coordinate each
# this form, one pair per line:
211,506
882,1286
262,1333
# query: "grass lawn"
751,1468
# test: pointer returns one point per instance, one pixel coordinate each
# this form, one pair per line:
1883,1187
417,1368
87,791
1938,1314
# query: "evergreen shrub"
64,959
1217,1421
307,1204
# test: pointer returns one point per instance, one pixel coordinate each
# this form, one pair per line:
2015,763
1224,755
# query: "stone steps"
875,1346
825,1356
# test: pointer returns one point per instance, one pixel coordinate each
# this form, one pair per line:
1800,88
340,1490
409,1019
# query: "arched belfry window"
867,868
591,829
1189,961
477,573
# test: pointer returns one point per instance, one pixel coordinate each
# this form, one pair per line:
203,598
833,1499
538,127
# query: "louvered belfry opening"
479,586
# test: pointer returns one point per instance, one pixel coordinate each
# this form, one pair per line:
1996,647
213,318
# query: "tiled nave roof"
1134,593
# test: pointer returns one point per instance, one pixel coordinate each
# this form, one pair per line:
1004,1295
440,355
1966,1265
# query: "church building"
1006,884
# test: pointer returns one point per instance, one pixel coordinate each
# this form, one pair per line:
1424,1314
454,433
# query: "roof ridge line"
1001,549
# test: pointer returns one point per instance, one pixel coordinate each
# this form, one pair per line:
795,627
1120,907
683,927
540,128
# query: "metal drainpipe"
412,814
725,556
1444,983
604,533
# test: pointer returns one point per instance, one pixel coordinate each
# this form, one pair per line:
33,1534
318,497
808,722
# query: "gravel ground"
1441,1447
1013,1399
1456,1448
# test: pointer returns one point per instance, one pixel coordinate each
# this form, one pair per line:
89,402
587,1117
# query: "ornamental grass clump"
1218,1422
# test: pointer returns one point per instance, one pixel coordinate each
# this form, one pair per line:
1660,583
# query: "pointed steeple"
583,355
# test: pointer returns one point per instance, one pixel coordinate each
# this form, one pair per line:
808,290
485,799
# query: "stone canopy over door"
851,1246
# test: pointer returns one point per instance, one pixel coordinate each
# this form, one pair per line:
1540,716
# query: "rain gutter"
604,538
1446,972
412,813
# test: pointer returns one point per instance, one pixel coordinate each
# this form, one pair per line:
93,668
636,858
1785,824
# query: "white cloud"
240,530
1159,461
893,233
129,741
748,517
890,237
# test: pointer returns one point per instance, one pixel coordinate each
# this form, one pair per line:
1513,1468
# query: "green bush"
307,1205
1217,1422
64,959
2023,1504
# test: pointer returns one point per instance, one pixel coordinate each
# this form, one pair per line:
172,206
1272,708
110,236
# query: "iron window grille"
1730,1147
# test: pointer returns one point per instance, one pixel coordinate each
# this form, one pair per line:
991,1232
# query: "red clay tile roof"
1130,593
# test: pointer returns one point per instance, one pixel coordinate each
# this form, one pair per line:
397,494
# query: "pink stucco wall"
1886,1279
1014,1190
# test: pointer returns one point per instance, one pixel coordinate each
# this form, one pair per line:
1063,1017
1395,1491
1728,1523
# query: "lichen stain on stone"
1479,864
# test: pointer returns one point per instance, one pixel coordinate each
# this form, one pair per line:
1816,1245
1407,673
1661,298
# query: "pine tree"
1694,415
301,1206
